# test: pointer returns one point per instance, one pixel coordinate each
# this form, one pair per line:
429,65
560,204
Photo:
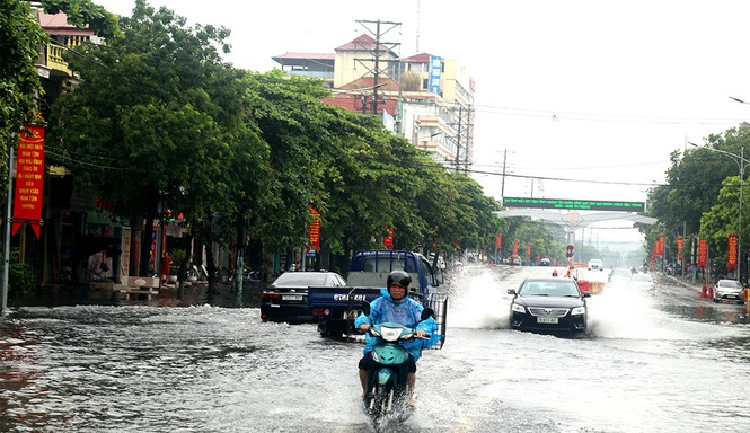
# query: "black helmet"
399,277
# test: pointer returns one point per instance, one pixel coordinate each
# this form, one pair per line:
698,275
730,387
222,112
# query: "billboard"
436,68
556,203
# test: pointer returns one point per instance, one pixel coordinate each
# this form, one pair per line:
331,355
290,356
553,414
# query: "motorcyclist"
394,306
554,272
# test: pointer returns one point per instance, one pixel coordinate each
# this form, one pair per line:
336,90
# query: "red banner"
702,252
27,206
313,229
679,248
499,241
528,250
661,246
731,253
388,241
515,247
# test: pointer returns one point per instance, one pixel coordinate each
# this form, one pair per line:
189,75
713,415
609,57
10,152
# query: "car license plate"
351,315
548,320
291,297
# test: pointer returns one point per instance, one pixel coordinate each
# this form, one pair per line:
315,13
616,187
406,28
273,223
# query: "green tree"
146,114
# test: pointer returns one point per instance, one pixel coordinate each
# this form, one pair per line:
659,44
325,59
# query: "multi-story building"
424,98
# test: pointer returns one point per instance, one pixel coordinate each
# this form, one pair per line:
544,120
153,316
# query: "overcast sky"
588,90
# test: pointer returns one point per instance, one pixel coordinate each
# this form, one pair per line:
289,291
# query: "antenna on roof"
419,19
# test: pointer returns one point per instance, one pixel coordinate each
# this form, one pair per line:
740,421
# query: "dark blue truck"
336,308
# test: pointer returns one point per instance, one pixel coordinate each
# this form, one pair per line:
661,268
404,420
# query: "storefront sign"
27,205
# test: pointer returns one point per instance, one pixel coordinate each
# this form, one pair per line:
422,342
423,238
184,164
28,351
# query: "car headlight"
578,311
518,308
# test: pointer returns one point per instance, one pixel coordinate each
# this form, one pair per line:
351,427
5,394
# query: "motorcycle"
386,379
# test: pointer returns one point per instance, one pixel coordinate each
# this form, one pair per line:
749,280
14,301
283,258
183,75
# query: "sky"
595,91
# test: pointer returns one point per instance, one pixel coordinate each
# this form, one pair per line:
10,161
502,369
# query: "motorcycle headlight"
578,311
518,308
389,334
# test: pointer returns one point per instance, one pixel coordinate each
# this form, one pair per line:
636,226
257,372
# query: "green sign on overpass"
555,203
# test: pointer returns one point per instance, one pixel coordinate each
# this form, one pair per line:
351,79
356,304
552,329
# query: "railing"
55,60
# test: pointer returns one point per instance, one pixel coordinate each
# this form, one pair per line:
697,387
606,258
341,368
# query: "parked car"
286,299
549,305
596,264
515,260
642,281
729,290
544,261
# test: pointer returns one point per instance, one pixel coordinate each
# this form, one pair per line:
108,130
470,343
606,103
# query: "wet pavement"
666,361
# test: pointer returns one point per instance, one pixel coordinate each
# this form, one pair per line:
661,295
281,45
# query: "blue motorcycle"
386,379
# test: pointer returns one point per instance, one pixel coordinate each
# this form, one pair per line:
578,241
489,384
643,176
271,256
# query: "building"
424,98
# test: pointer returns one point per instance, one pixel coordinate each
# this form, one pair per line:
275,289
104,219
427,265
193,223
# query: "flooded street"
668,362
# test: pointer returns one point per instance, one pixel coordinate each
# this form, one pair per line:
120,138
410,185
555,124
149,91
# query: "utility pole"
458,138
502,187
378,32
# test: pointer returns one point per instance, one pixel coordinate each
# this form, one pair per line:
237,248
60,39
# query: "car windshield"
558,289
301,279
729,284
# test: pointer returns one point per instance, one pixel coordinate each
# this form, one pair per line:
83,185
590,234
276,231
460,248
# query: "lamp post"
740,160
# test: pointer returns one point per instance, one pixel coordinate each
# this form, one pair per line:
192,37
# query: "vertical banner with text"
731,253
661,246
528,251
702,252
388,241
499,241
27,206
679,248
515,247
313,230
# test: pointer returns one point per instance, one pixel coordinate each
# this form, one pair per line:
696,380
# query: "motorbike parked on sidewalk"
386,399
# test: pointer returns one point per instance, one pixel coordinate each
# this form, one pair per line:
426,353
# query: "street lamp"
740,160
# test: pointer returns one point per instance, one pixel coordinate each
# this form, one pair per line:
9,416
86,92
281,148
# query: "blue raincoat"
406,312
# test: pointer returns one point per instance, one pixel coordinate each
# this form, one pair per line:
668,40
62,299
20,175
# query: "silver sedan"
729,290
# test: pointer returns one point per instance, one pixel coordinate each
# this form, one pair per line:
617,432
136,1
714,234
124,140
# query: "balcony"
54,60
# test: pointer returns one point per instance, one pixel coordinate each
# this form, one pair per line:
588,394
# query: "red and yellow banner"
515,247
731,253
661,246
702,252
499,241
388,241
313,229
528,250
27,205
679,248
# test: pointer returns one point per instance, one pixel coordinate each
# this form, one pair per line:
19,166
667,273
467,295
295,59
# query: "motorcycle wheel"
379,407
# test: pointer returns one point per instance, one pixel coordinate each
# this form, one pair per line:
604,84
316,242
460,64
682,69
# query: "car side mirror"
427,313
511,291
366,308
439,279
587,295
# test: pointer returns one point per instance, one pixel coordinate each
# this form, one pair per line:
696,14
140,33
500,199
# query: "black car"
549,305
286,299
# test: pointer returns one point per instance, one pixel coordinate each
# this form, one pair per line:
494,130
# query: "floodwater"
666,362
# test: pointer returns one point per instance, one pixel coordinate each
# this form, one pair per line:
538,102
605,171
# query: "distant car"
515,260
642,281
596,264
544,261
286,298
549,305
729,290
